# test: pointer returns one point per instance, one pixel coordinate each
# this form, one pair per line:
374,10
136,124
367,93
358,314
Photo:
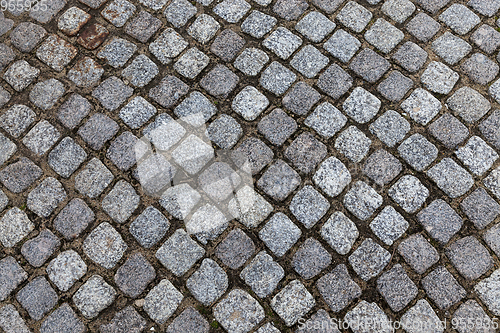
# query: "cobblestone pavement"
249,166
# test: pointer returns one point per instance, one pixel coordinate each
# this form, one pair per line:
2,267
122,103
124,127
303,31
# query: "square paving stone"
440,220
238,312
340,233
310,259
369,65
471,311
168,46
254,152
11,275
469,257
117,52
290,9
418,253
443,288
126,320
94,296
477,155
74,218
72,20
232,10
26,36
361,105
20,75
18,176
277,127
486,38
149,227
459,18
487,291
73,110
120,202
188,321
46,93
418,152
329,6
409,193
449,130
92,36
258,24
365,312
193,154
37,297
309,61
56,52
249,103
487,8
251,61
390,128
421,106
203,28
104,246
490,128
451,178
319,319
338,289
118,12
326,120
389,225
196,109
208,283
249,207
279,234
143,26
469,104
37,250
179,253
480,208
227,45
301,98
305,152
354,16
342,45
397,288
451,48
362,200
292,302
64,319
277,79
353,143
262,274
335,81
439,78
178,12
410,56
134,275
309,206
423,27
162,301
4,96
220,81
279,180
332,176
395,86
432,6
98,129
168,91
315,26
282,42
382,167
420,313
235,249
41,137
191,63
137,112
140,72
480,69
86,73
67,268
383,35
398,10
112,93
66,157
369,259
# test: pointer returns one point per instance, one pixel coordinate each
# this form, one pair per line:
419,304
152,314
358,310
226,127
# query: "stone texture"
37,250
94,296
443,288
440,220
369,259
292,302
37,297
